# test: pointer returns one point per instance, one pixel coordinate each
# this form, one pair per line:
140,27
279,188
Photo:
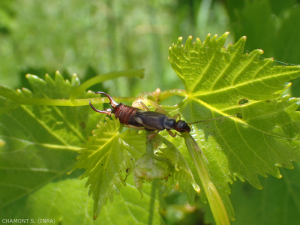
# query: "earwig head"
182,126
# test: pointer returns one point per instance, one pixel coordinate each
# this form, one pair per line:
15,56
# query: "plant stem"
150,151
102,78
152,201
166,94
19,100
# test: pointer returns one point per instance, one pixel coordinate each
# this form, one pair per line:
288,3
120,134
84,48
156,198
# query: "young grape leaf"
66,201
39,144
222,82
172,149
108,158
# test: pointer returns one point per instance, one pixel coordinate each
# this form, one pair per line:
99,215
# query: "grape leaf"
106,156
223,81
39,144
66,201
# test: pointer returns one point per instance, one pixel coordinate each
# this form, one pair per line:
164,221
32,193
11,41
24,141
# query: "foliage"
39,144
95,37
43,138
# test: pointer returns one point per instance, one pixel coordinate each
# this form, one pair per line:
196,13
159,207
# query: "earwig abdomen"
126,114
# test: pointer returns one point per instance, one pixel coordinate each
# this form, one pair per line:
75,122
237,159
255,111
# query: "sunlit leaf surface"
224,81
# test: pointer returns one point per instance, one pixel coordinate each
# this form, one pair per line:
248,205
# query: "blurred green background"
99,36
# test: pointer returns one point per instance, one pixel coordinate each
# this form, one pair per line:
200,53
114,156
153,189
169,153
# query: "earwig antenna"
219,118
112,102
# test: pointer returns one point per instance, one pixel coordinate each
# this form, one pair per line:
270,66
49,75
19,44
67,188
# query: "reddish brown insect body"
123,112
126,114
151,121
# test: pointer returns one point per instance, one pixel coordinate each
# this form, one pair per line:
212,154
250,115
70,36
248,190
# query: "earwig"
134,117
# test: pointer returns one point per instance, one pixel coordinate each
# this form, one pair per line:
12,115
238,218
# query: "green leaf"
174,150
39,145
40,142
224,81
108,158
66,201
40,134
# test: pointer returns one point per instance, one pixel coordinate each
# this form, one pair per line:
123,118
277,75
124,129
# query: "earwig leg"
160,109
171,133
151,136
143,106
